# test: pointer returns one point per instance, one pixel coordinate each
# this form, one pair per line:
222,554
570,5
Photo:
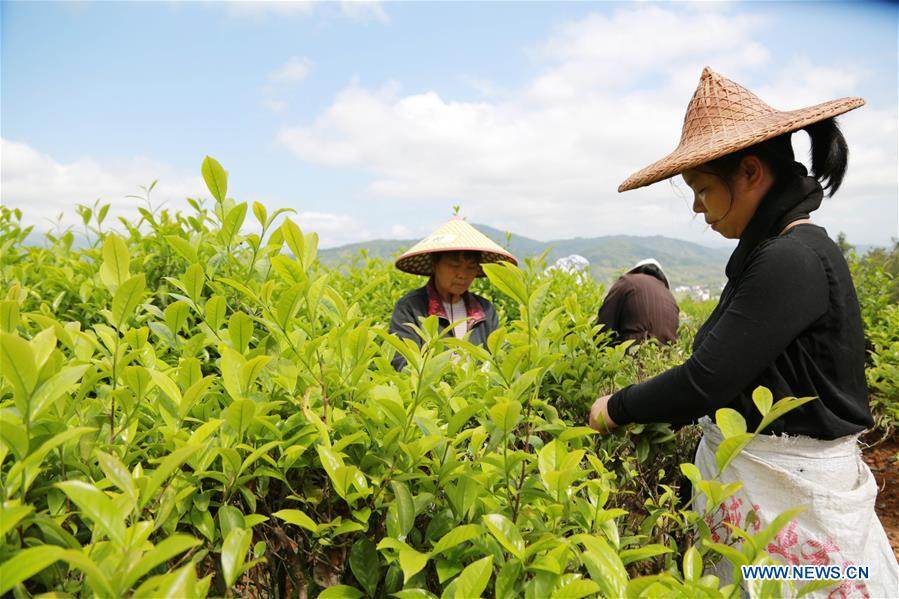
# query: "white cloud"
358,10
295,69
44,188
264,8
546,161
621,48
399,231
332,229
364,10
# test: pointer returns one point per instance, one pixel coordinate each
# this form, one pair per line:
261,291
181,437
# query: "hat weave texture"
724,117
453,236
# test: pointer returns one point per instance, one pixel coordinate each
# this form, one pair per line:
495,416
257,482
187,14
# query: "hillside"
686,263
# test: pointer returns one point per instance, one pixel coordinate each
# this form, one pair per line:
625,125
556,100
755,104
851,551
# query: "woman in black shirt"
788,319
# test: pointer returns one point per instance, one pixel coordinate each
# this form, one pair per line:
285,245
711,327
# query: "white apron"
834,485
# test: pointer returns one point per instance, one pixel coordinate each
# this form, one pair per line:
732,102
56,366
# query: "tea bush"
876,276
195,409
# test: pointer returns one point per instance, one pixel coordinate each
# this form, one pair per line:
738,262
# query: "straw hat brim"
456,235
421,263
701,149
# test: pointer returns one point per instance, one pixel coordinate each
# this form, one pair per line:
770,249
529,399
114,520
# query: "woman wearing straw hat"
451,258
788,319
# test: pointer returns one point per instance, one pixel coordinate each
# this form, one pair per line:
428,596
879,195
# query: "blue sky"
373,119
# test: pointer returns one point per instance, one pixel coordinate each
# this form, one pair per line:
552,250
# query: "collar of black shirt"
793,198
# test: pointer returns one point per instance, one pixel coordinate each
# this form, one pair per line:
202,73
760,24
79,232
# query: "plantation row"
189,409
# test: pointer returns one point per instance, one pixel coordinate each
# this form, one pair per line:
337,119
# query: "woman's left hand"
599,415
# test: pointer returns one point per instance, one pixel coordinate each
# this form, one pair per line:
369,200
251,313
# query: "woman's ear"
754,178
754,172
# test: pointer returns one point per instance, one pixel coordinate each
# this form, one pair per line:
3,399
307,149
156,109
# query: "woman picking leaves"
788,320
451,258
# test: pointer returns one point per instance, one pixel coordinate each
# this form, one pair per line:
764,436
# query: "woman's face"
727,209
453,273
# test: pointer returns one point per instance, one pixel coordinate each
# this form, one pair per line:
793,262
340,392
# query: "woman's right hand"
599,415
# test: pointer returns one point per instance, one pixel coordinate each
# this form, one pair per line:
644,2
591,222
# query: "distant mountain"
685,263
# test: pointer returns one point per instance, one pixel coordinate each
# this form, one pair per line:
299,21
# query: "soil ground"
881,459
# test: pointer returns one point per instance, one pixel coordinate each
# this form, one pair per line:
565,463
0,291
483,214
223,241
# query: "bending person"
787,319
640,305
451,258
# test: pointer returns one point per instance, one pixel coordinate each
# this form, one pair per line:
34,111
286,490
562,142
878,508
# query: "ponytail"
829,153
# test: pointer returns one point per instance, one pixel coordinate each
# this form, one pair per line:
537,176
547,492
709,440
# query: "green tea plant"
875,275
189,409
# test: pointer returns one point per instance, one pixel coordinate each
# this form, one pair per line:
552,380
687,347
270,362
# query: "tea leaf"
230,518
240,330
474,578
164,551
54,387
629,556
251,370
169,464
508,580
233,221
730,448
576,589
193,280
239,415
176,315
216,178
692,564
310,249
297,517
10,516
167,385
507,279
506,533
115,268
117,473
781,407
365,564
412,562
604,565
25,564
506,415
260,213
94,504
214,310
456,536
401,512
126,300
294,238
231,365
340,591
96,579
762,399
234,554
730,422
183,247
9,315
17,364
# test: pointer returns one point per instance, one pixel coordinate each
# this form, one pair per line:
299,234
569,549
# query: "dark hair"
651,270
829,154
469,255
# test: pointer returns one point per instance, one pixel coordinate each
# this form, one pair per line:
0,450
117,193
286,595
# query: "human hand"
599,415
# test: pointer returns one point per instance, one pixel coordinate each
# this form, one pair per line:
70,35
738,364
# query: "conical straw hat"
724,117
455,235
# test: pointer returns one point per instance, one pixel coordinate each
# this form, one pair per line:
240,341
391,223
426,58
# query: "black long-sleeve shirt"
788,320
